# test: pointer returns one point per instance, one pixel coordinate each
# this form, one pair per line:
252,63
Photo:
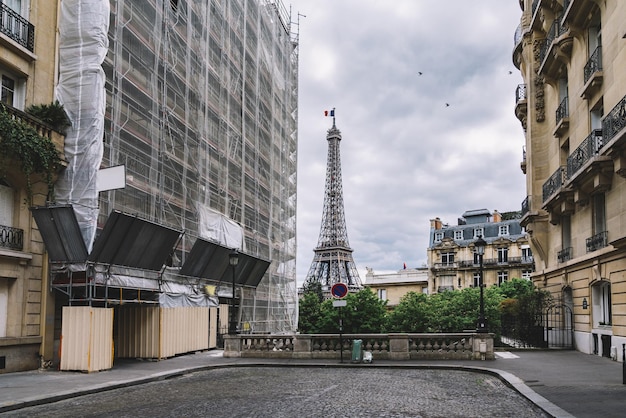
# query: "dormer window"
503,230
479,232
438,236
458,235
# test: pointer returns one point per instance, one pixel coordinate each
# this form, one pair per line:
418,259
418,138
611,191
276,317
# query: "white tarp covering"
215,226
83,45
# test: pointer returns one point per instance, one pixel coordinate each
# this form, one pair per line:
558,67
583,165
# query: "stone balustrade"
401,346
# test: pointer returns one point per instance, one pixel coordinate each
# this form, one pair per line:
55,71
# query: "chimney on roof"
435,223
496,216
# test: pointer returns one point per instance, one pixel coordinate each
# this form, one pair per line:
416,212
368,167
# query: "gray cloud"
406,156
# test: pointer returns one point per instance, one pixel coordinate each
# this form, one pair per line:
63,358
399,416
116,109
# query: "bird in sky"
510,72
447,104
419,73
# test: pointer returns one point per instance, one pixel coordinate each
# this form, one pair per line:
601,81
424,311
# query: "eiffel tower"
333,261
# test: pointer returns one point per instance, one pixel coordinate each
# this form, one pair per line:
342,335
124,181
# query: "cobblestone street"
310,392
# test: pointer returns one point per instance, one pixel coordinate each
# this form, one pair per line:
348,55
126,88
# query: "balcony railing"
451,265
517,37
594,64
520,93
554,183
562,111
615,121
588,149
11,238
597,241
526,205
565,254
16,27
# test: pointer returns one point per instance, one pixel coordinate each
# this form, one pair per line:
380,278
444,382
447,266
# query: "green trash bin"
357,351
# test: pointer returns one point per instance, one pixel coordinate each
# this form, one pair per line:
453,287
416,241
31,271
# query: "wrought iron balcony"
562,111
562,118
594,64
597,241
554,183
588,149
520,93
525,205
615,121
522,165
11,238
16,27
565,254
444,266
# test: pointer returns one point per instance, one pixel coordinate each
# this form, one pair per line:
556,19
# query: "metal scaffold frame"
201,109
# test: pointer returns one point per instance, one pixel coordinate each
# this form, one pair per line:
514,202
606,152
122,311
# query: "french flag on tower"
329,113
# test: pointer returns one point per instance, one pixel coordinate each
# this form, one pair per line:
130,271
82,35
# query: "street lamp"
479,248
233,260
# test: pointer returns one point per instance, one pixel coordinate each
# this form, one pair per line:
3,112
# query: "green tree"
309,308
412,314
364,313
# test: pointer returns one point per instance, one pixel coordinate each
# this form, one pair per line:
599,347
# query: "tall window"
566,232
382,294
503,255
8,90
447,258
599,213
527,254
526,274
476,279
601,298
6,205
503,276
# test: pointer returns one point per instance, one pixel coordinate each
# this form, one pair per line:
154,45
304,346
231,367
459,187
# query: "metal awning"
209,260
133,242
60,233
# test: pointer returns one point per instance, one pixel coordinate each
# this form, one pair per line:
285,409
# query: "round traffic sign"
339,290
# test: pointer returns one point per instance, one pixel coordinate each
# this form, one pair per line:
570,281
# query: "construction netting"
83,44
201,109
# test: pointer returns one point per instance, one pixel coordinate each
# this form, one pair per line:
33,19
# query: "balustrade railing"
401,346
615,121
597,241
11,238
16,27
554,183
594,64
589,148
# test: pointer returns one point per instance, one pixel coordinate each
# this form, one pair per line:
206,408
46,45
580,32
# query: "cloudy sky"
407,157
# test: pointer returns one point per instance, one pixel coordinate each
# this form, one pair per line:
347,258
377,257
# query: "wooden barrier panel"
86,338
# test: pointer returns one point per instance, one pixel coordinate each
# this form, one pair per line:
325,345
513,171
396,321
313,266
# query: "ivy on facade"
22,145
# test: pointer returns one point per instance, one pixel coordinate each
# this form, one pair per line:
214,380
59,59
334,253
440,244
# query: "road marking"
506,355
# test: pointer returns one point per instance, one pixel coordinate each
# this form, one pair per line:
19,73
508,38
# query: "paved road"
304,392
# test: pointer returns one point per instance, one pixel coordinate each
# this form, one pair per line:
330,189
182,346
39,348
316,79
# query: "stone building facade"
453,262
27,68
392,286
572,108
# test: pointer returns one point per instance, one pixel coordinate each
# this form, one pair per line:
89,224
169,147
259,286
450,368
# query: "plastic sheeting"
83,45
217,227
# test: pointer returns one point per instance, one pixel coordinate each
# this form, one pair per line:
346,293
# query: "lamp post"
233,260
479,246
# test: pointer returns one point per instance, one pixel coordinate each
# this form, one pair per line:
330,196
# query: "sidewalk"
562,383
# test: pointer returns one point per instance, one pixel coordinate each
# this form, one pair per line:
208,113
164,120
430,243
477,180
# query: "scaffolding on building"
201,110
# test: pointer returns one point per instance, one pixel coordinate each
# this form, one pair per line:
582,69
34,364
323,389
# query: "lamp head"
233,258
480,245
